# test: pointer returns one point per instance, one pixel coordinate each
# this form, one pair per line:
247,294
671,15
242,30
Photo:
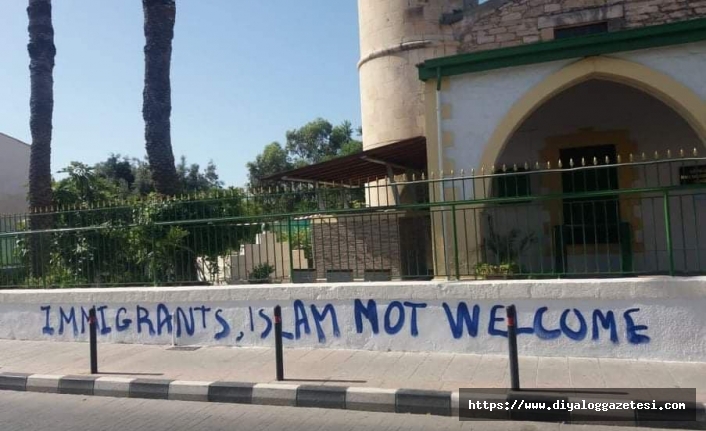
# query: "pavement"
25,411
348,379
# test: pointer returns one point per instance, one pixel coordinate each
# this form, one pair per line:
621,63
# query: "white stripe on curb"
188,390
275,394
112,387
43,383
370,399
455,403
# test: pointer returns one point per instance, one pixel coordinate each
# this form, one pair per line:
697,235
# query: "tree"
142,242
83,186
41,66
159,17
351,147
318,141
117,169
315,142
131,176
193,180
273,159
143,178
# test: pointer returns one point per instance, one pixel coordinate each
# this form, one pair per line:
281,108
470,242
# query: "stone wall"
357,243
503,23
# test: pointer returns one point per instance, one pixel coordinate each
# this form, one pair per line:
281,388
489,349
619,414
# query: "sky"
243,73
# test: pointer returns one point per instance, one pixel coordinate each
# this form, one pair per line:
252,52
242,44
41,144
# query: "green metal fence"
576,218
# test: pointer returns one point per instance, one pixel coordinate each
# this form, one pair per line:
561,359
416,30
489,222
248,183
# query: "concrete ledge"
76,385
43,383
423,402
112,387
371,399
275,394
604,418
615,288
554,415
150,388
654,419
441,403
13,381
455,403
230,392
495,397
188,391
328,397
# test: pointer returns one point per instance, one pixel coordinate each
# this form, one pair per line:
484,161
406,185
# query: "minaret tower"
396,35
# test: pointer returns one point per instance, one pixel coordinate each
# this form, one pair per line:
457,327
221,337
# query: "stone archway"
674,94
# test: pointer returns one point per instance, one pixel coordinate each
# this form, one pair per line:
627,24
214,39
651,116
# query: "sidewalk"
393,370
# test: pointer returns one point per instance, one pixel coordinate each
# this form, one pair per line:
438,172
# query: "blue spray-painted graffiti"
398,318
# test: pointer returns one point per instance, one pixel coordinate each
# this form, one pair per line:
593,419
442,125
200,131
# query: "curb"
439,403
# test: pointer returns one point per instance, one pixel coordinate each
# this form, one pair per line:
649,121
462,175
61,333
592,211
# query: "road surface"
26,411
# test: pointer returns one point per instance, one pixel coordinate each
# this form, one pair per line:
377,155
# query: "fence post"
278,344
153,263
457,264
291,247
42,241
668,232
512,344
92,323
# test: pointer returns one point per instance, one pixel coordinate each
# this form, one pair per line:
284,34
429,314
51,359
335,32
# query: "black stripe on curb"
670,418
77,385
230,392
13,381
154,389
326,397
524,414
492,396
623,417
423,402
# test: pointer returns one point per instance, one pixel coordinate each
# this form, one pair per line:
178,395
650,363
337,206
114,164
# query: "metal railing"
583,218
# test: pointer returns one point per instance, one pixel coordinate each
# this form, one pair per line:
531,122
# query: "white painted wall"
684,63
14,175
670,314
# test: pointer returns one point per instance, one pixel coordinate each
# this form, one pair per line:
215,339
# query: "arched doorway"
595,118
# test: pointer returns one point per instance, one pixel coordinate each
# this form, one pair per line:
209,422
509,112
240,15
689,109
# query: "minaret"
395,36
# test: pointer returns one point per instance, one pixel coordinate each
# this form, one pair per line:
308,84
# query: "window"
592,219
692,175
513,184
580,30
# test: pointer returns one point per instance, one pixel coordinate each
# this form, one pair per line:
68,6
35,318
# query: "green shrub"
261,274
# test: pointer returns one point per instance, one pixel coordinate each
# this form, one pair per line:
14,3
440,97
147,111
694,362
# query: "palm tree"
159,16
41,66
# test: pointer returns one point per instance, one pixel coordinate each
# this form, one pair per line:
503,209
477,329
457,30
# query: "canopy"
376,163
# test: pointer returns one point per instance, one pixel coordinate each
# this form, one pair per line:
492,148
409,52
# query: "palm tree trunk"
41,66
159,16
